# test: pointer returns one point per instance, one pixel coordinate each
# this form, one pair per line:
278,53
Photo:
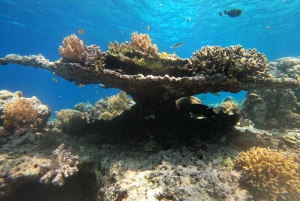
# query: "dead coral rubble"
63,165
271,173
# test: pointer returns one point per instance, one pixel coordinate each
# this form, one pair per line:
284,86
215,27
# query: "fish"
54,80
177,45
188,19
80,31
148,27
200,109
268,27
121,32
80,85
233,13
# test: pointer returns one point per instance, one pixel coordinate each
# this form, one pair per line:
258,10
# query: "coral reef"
72,48
71,121
272,108
111,107
20,112
170,84
139,42
63,165
233,61
142,42
273,174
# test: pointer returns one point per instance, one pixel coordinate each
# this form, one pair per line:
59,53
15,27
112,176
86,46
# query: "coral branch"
63,165
72,48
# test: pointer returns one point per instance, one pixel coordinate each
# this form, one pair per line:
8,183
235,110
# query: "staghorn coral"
20,112
71,121
63,165
273,174
72,48
233,61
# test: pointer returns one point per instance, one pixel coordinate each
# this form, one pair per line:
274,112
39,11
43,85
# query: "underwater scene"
157,100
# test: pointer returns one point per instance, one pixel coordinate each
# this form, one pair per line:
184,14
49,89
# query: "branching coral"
112,106
139,42
71,121
72,48
233,61
272,173
142,42
64,164
20,112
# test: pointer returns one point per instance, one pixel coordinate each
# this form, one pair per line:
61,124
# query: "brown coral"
20,112
142,42
274,174
71,121
233,61
112,106
139,43
72,48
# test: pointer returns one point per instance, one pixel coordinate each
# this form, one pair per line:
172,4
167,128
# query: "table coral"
271,173
63,165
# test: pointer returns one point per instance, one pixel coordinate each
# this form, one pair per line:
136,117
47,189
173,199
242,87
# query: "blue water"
38,27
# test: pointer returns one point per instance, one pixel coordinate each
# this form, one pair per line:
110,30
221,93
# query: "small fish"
80,31
54,80
103,86
96,92
233,12
177,45
188,19
80,85
121,32
216,94
268,27
148,27
95,87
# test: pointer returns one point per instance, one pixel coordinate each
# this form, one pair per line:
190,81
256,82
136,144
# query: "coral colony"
161,143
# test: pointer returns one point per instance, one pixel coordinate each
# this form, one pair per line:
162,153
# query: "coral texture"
25,112
71,121
19,112
272,107
233,61
273,174
63,165
142,42
139,42
72,48
111,107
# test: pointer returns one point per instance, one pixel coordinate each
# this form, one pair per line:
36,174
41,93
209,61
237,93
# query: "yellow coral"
20,112
73,48
142,42
274,174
